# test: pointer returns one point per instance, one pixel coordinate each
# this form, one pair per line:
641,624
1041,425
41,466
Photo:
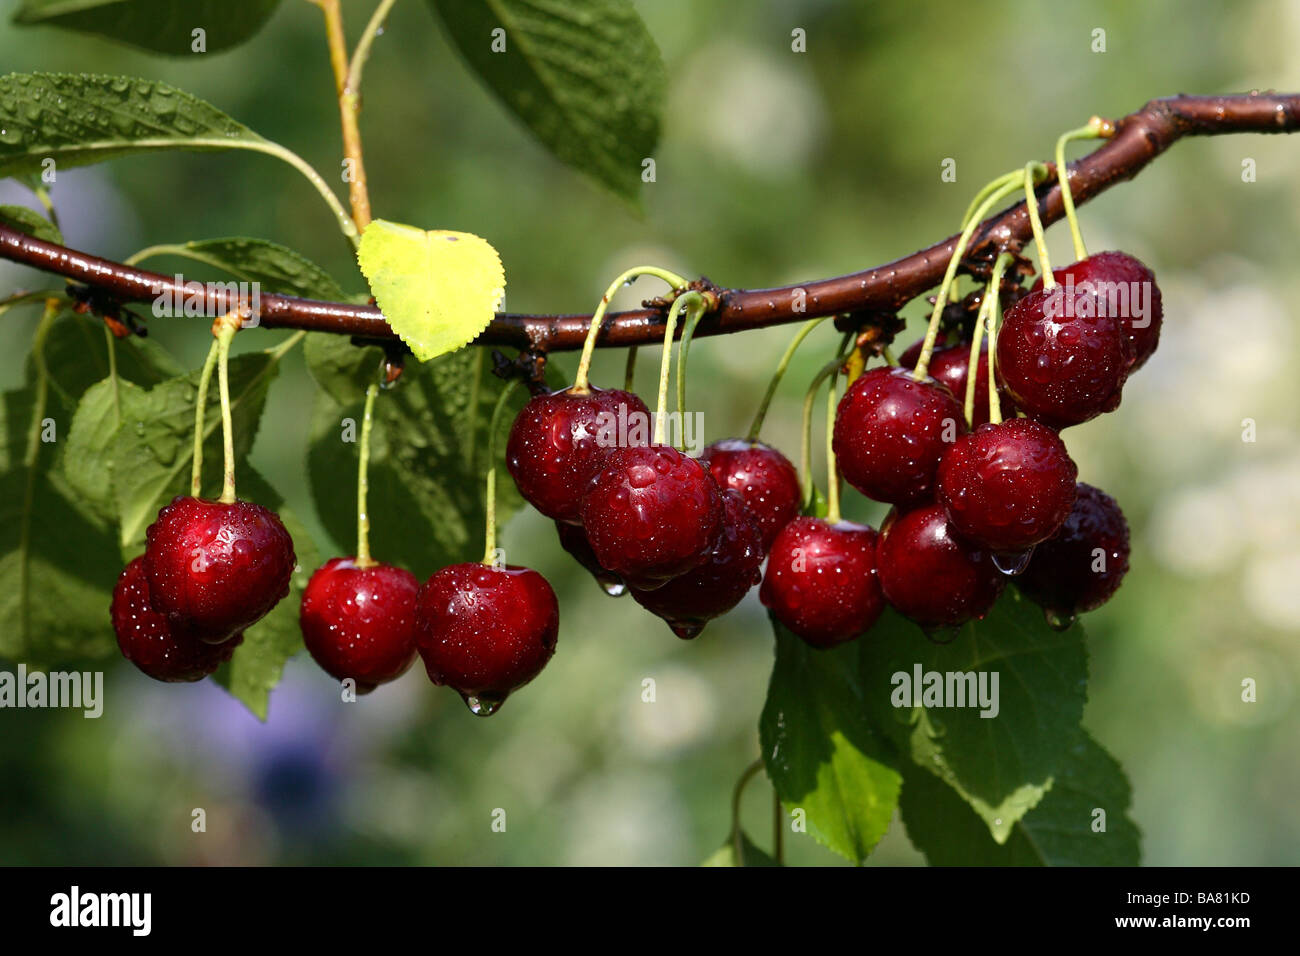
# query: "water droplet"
941,635
612,586
685,630
483,705
1059,622
1012,563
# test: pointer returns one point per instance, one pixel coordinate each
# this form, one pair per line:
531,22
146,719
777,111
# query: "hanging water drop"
483,705
1059,622
612,586
685,630
1012,563
941,635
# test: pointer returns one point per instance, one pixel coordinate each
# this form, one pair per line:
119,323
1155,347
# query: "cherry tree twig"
1137,140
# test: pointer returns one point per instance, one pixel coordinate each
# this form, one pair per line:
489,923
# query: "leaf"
273,267
162,26
1058,832
586,78
258,663
750,854
438,290
427,458
820,751
1004,764
30,222
342,369
77,119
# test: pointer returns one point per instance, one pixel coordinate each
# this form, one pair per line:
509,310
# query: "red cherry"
573,539
486,631
1083,564
891,431
764,477
950,366
163,651
217,568
929,574
690,601
560,440
1060,360
651,514
1007,486
1123,280
821,580
359,623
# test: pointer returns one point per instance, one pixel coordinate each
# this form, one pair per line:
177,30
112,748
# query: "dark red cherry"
891,431
486,631
821,580
1130,287
560,440
359,623
932,576
150,642
651,514
1082,565
217,568
1061,361
763,476
691,600
1007,486
573,539
950,366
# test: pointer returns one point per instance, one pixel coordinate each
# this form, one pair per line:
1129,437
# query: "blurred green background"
774,167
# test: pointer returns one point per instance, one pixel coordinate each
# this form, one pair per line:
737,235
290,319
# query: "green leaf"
342,369
30,222
820,751
438,289
750,854
427,459
1060,831
258,663
273,267
1004,764
161,26
586,78
77,119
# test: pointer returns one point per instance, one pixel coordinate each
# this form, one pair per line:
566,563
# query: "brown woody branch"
1139,138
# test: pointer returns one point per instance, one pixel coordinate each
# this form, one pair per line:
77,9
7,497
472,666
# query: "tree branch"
1139,138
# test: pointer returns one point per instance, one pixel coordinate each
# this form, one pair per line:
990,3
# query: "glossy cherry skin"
573,539
217,568
560,440
891,431
1083,564
651,514
1007,486
486,631
929,574
691,600
821,580
1134,286
150,642
950,366
1062,362
764,477
359,623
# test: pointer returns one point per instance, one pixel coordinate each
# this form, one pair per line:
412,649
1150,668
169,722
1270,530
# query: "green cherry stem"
805,443
987,190
1008,184
363,558
200,409
977,339
226,327
994,319
737,837
694,312
680,303
832,474
580,380
1097,128
1035,172
490,496
781,368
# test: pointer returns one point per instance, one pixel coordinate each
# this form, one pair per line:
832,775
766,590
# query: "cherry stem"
888,355
832,473
781,368
805,444
200,409
994,295
490,496
694,312
629,370
580,380
991,293
778,829
1007,185
225,328
363,558
737,835
1035,172
683,301
987,190
1097,128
